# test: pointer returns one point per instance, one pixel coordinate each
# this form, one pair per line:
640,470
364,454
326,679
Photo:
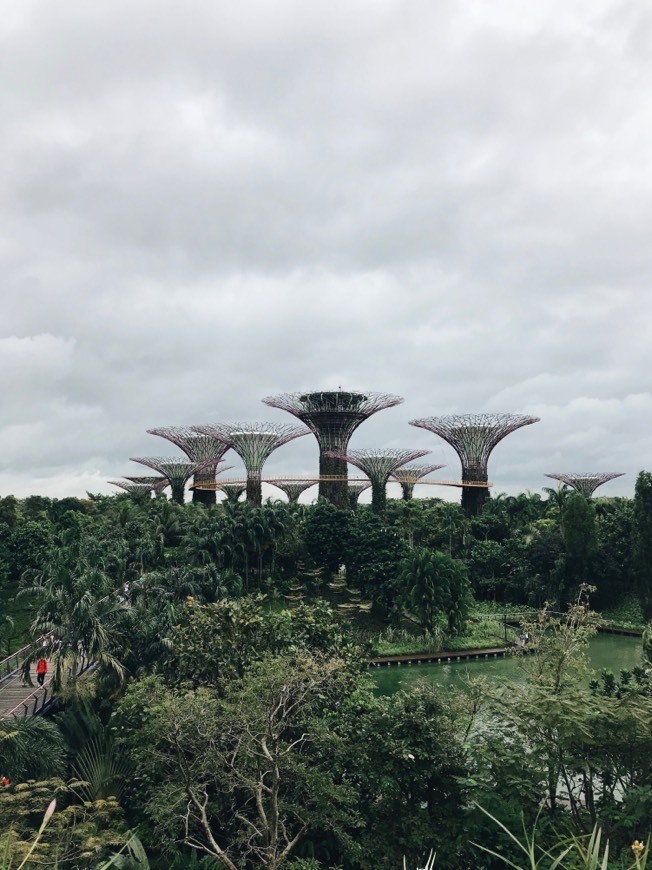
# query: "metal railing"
33,704
10,665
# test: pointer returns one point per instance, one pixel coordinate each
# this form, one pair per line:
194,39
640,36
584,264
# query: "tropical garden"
229,717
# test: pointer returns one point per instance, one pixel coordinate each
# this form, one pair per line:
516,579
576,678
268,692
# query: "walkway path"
18,699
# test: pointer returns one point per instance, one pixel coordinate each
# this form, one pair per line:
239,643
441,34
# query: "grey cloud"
203,204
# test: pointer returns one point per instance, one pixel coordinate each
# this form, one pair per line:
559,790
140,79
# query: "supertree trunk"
206,497
334,491
379,497
473,497
178,490
407,490
254,488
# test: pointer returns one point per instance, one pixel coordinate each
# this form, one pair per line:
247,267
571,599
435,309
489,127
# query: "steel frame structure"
253,442
177,471
411,475
587,482
232,489
294,488
198,448
158,484
355,489
141,490
473,437
379,465
333,416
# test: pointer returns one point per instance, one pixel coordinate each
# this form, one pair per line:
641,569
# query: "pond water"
611,651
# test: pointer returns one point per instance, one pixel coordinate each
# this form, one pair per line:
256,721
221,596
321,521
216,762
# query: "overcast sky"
203,203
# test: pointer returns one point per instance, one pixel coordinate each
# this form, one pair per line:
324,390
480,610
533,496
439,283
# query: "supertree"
139,490
354,489
473,437
410,475
378,465
253,442
294,488
587,482
157,483
198,448
333,417
233,489
177,471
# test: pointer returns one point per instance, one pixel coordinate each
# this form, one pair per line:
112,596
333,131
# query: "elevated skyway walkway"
218,484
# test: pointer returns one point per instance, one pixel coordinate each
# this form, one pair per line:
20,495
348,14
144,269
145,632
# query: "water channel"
614,652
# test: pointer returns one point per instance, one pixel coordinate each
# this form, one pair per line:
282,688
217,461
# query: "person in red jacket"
41,671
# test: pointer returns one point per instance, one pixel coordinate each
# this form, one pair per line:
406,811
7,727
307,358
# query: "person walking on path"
41,671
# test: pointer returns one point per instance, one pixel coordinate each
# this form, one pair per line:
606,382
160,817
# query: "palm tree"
419,574
31,748
556,498
78,623
524,508
7,634
451,518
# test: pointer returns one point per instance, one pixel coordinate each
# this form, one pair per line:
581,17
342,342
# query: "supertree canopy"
473,437
143,490
253,442
378,465
294,488
156,483
332,417
177,471
410,475
233,489
587,482
199,448
354,489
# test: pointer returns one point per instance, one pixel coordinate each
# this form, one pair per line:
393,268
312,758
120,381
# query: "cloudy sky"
203,203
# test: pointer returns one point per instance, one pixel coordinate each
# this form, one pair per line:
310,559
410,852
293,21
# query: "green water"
614,652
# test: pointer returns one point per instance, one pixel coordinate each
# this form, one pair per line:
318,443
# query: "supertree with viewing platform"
253,442
473,437
355,488
410,475
141,491
293,488
379,465
177,471
200,449
333,417
587,482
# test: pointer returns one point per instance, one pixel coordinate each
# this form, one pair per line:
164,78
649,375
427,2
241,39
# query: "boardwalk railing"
12,663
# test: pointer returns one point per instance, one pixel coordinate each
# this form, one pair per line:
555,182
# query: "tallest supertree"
333,417
473,437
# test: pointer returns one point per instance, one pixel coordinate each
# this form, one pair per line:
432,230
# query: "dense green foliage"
229,717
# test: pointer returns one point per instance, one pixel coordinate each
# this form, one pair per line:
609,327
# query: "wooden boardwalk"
18,699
